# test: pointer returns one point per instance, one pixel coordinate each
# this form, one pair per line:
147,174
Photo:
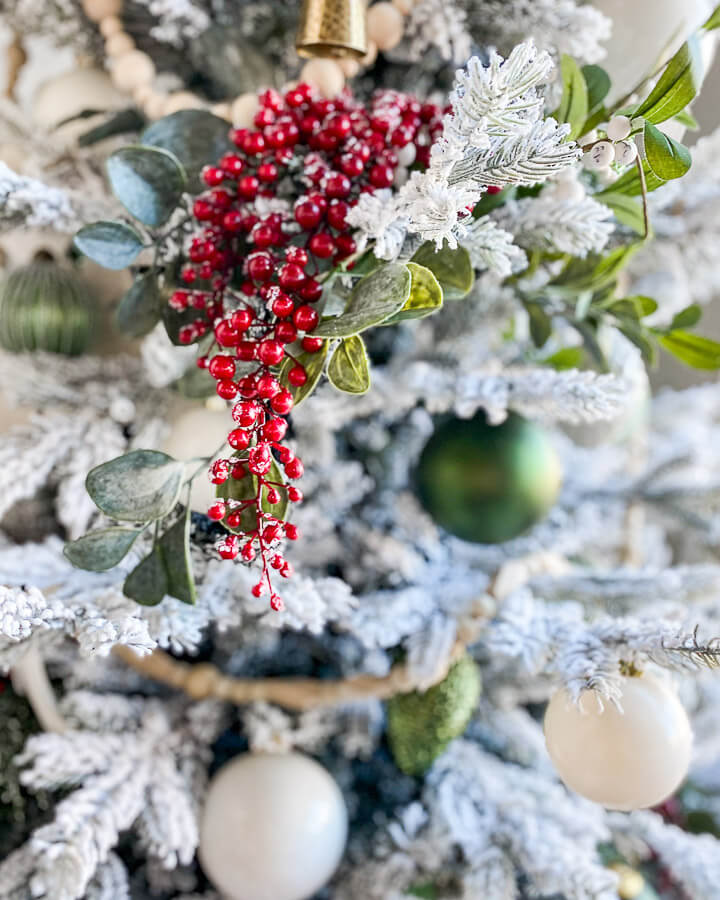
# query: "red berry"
257,590
242,319
247,388
188,275
248,186
233,221
292,532
245,413
203,210
221,366
267,172
217,511
283,305
239,439
225,334
254,143
248,552
311,290
381,175
291,276
179,300
273,496
187,334
282,403
276,604
306,318
234,520
285,332
295,495
270,352
274,429
246,350
232,164
219,471
297,376
308,215
259,459
336,214
213,176
260,267
312,344
228,549
322,245
294,468
226,389
345,244
338,185
297,255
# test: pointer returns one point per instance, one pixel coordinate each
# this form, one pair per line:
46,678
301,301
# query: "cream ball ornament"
273,828
325,75
385,25
619,128
623,757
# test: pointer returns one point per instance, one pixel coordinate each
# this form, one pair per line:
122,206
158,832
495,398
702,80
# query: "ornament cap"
332,28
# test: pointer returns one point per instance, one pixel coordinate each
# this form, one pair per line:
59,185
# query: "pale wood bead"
110,25
325,75
143,93
371,55
350,67
404,6
119,44
385,25
153,107
181,100
222,110
132,70
243,110
97,10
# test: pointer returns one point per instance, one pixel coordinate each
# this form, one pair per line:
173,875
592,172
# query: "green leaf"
627,211
678,85
598,84
174,547
644,306
113,245
99,551
426,296
574,104
138,487
666,157
540,323
313,363
373,299
139,310
148,582
425,891
687,318
594,272
452,268
696,351
126,121
687,119
567,358
149,182
714,20
194,136
349,370
247,488
635,332
630,185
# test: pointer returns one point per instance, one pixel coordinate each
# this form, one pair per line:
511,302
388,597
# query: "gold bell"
332,28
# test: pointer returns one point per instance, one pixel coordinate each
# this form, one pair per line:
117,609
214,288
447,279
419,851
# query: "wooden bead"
142,94
385,25
350,67
97,10
110,25
154,106
181,100
222,110
201,680
371,55
131,70
404,6
119,44
325,75
243,110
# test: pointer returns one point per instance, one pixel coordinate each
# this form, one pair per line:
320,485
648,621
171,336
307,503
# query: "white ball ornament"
619,128
385,25
599,155
625,152
273,828
625,758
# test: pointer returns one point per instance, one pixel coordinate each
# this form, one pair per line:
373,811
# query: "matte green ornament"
45,307
488,483
421,725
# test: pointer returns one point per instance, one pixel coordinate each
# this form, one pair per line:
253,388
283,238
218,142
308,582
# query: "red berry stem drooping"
270,225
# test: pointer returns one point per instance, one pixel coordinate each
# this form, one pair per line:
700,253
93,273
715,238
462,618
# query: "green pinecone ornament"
45,307
488,483
421,725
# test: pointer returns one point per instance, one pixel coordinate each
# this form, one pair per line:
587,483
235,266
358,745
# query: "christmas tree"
345,552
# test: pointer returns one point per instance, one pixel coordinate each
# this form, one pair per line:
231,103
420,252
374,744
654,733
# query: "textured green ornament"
488,483
45,307
421,725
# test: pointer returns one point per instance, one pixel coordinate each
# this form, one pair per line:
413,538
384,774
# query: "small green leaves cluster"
143,488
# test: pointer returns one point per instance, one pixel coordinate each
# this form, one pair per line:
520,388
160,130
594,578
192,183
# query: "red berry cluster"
270,227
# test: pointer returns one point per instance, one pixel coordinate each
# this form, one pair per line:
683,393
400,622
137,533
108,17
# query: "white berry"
625,152
599,155
619,128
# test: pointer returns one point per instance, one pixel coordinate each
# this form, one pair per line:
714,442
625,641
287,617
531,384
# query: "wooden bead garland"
133,71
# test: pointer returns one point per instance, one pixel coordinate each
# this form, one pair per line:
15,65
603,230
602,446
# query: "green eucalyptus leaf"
666,157
598,84
148,181
313,363
687,318
698,352
349,369
540,323
567,358
626,210
126,121
426,296
99,551
174,548
194,136
148,582
140,486
677,86
372,300
574,103
112,245
139,310
452,268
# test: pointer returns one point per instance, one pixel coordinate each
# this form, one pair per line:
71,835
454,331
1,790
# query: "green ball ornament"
421,725
45,307
488,483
